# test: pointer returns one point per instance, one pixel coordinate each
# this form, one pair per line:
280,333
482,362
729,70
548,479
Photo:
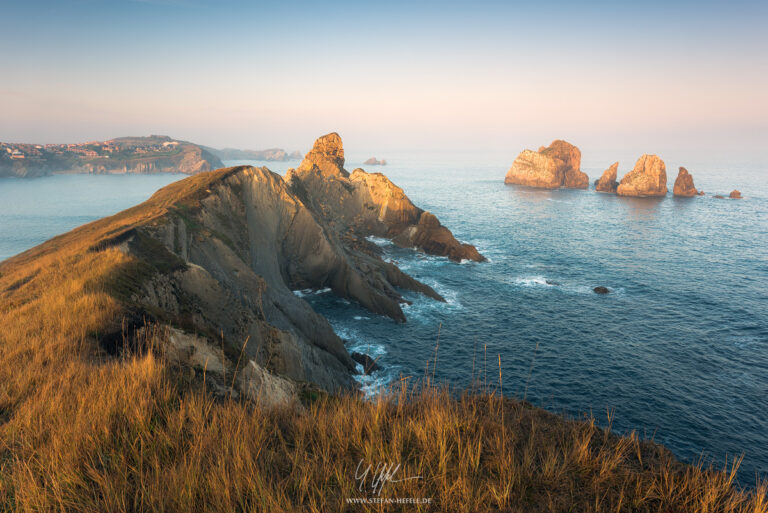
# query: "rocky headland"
648,178
214,260
557,165
139,155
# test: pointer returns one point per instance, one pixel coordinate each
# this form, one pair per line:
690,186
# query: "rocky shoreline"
215,259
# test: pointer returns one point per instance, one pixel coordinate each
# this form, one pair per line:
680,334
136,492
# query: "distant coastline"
124,155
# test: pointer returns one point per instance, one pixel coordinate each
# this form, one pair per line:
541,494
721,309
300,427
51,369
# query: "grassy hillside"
84,430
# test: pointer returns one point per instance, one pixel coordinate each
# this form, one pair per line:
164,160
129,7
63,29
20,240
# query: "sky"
392,75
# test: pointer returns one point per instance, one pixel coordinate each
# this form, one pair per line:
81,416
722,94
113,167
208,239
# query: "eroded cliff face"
361,204
241,249
557,165
213,261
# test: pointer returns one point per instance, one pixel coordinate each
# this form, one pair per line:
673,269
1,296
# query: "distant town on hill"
153,154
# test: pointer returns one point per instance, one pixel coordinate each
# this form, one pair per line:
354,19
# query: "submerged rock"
368,363
648,178
601,290
557,165
684,184
607,182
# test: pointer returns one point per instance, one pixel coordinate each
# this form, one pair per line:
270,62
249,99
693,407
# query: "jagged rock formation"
215,259
557,165
607,182
374,162
684,184
648,178
361,204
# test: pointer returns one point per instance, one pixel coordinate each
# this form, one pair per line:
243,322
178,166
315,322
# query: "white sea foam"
379,241
562,286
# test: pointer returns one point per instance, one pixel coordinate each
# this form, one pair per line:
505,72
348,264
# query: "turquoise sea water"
678,350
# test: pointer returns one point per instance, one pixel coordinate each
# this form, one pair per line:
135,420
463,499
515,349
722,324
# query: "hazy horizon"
492,76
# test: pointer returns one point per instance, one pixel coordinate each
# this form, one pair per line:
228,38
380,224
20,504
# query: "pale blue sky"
389,75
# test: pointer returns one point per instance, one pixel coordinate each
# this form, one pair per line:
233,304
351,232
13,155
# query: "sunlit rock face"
684,184
360,204
648,178
607,182
551,167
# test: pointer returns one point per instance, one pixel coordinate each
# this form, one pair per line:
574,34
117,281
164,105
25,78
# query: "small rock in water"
601,290
551,282
368,363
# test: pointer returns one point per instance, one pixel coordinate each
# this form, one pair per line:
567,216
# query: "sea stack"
557,165
607,182
735,194
684,184
648,178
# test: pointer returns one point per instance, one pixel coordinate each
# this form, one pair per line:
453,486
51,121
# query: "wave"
544,283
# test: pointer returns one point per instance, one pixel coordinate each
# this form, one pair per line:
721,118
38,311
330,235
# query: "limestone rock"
369,364
735,194
557,165
607,182
327,155
361,204
264,388
648,178
374,162
684,184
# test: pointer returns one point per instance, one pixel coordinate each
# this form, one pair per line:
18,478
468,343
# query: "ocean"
678,350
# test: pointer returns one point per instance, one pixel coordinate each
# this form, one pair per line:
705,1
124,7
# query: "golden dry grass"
82,431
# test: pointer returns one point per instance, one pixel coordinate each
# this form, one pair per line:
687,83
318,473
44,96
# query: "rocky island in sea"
153,154
551,167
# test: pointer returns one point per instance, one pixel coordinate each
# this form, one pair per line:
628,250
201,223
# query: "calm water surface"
678,350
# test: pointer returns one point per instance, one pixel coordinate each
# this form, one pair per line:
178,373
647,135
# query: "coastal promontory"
551,167
213,261
361,204
648,178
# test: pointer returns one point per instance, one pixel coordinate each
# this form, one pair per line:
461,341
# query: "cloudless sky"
388,75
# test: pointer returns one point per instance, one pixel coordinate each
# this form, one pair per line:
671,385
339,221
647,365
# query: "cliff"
140,155
216,257
557,165
359,204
